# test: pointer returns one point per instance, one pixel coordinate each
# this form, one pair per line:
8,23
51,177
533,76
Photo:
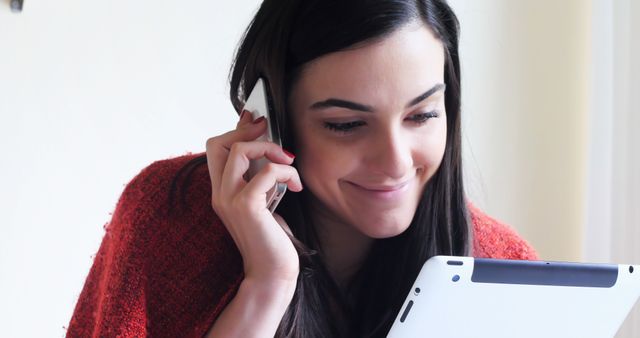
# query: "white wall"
93,91
90,93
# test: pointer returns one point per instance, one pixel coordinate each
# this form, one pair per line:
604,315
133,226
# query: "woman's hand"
267,252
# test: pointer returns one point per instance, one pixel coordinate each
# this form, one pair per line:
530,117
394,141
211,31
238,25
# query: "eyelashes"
423,117
344,127
347,127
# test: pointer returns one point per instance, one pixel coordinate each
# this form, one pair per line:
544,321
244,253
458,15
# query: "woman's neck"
344,248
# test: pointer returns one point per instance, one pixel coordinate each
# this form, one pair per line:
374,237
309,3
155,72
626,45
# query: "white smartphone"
259,104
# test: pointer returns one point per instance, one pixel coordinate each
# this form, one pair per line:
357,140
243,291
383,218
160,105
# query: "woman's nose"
390,155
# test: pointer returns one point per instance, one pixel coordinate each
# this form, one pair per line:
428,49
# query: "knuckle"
211,141
237,147
271,168
290,172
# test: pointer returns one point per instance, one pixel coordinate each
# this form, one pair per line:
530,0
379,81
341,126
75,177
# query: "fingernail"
259,119
243,113
288,154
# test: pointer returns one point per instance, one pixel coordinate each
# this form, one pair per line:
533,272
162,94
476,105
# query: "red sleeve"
494,239
154,274
112,302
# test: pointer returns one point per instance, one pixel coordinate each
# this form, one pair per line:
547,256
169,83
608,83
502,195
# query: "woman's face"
370,127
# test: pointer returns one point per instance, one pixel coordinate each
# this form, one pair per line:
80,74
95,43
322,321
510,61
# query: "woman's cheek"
430,150
322,158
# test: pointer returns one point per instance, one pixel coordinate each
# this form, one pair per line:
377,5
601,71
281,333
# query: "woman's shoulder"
170,211
494,239
179,258
162,197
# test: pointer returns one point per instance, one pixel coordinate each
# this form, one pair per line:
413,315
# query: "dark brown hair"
282,37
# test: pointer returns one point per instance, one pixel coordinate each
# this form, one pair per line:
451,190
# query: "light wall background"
525,108
93,91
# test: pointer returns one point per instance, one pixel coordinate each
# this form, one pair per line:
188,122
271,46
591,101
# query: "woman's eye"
423,117
343,127
347,127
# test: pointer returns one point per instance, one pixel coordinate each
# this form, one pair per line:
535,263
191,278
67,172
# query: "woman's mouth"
381,192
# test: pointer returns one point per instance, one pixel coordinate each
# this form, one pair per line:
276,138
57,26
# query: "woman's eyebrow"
333,102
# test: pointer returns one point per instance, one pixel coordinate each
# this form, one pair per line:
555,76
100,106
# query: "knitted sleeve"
154,274
494,239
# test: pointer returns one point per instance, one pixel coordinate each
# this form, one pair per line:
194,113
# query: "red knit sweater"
171,276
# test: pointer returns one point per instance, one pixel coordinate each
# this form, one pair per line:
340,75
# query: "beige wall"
525,106
551,119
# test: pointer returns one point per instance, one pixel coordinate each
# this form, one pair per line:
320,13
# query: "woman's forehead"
407,62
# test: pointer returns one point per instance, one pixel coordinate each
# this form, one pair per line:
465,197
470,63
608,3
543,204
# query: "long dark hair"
282,37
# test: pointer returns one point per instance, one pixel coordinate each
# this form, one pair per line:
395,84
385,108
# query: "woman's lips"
381,192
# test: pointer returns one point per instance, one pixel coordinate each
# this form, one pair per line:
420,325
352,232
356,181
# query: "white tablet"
466,297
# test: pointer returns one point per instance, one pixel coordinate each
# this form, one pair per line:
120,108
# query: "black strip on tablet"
406,311
544,273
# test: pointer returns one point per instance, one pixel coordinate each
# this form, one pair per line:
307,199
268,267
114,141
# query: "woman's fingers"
267,251
218,148
245,119
271,173
238,162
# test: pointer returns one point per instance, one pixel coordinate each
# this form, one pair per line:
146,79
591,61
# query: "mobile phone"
259,103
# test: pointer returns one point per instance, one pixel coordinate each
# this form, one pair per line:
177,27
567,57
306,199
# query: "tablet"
466,297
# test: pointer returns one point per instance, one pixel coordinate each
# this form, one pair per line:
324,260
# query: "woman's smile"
380,193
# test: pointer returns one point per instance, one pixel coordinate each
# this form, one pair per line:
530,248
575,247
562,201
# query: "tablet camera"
416,291
455,278
630,269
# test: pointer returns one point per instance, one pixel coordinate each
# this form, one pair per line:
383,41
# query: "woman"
367,94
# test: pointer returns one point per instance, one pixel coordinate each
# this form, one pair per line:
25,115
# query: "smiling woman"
388,145
368,97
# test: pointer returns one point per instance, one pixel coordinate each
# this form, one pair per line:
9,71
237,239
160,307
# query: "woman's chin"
380,230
